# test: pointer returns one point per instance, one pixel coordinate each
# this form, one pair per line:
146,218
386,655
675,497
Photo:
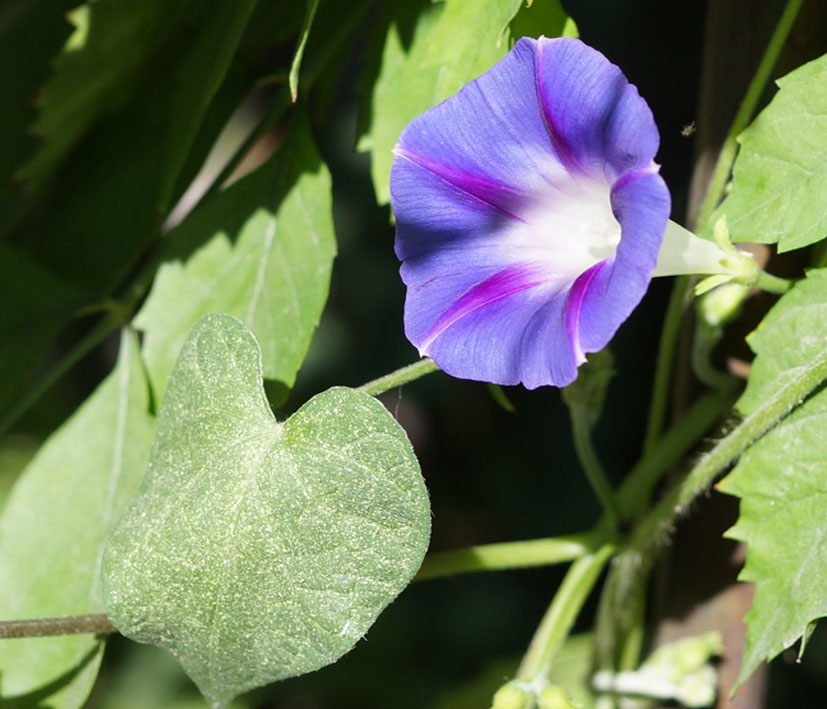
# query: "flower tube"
529,215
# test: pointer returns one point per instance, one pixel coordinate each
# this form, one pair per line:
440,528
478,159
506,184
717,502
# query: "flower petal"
522,242
492,129
596,117
600,303
516,338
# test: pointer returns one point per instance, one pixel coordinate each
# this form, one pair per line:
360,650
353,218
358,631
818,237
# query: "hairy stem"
655,528
401,376
68,625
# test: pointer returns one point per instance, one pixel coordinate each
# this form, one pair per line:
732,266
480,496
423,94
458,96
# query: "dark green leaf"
259,550
95,76
31,34
53,529
36,306
199,78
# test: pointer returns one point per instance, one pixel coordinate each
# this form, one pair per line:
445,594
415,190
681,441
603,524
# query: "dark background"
492,475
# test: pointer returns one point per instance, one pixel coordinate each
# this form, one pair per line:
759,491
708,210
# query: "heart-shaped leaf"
259,550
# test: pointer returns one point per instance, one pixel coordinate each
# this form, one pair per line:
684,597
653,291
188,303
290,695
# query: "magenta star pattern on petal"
529,214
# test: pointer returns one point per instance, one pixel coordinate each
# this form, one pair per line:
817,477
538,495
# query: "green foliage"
53,529
780,175
95,76
259,550
295,66
586,395
199,78
430,51
261,250
31,34
36,306
780,480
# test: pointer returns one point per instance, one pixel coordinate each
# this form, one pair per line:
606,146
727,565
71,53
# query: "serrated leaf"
96,77
267,253
780,174
259,550
31,34
53,529
36,306
199,78
792,334
452,42
780,481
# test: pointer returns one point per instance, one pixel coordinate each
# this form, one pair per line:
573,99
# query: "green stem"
594,470
509,555
563,611
636,490
723,166
401,376
655,528
68,625
666,356
773,284
111,322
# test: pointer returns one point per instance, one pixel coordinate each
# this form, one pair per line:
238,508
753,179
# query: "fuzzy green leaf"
780,174
261,250
259,550
780,481
53,529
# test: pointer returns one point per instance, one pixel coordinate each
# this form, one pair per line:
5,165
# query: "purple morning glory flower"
529,215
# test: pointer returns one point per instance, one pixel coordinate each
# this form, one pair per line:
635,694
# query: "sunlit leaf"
53,529
264,248
259,550
780,481
780,175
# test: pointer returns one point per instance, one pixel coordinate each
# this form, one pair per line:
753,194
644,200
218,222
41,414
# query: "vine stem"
663,368
111,322
509,555
655,527
594,470
773,284
723,166
399,377
561,614
67,625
